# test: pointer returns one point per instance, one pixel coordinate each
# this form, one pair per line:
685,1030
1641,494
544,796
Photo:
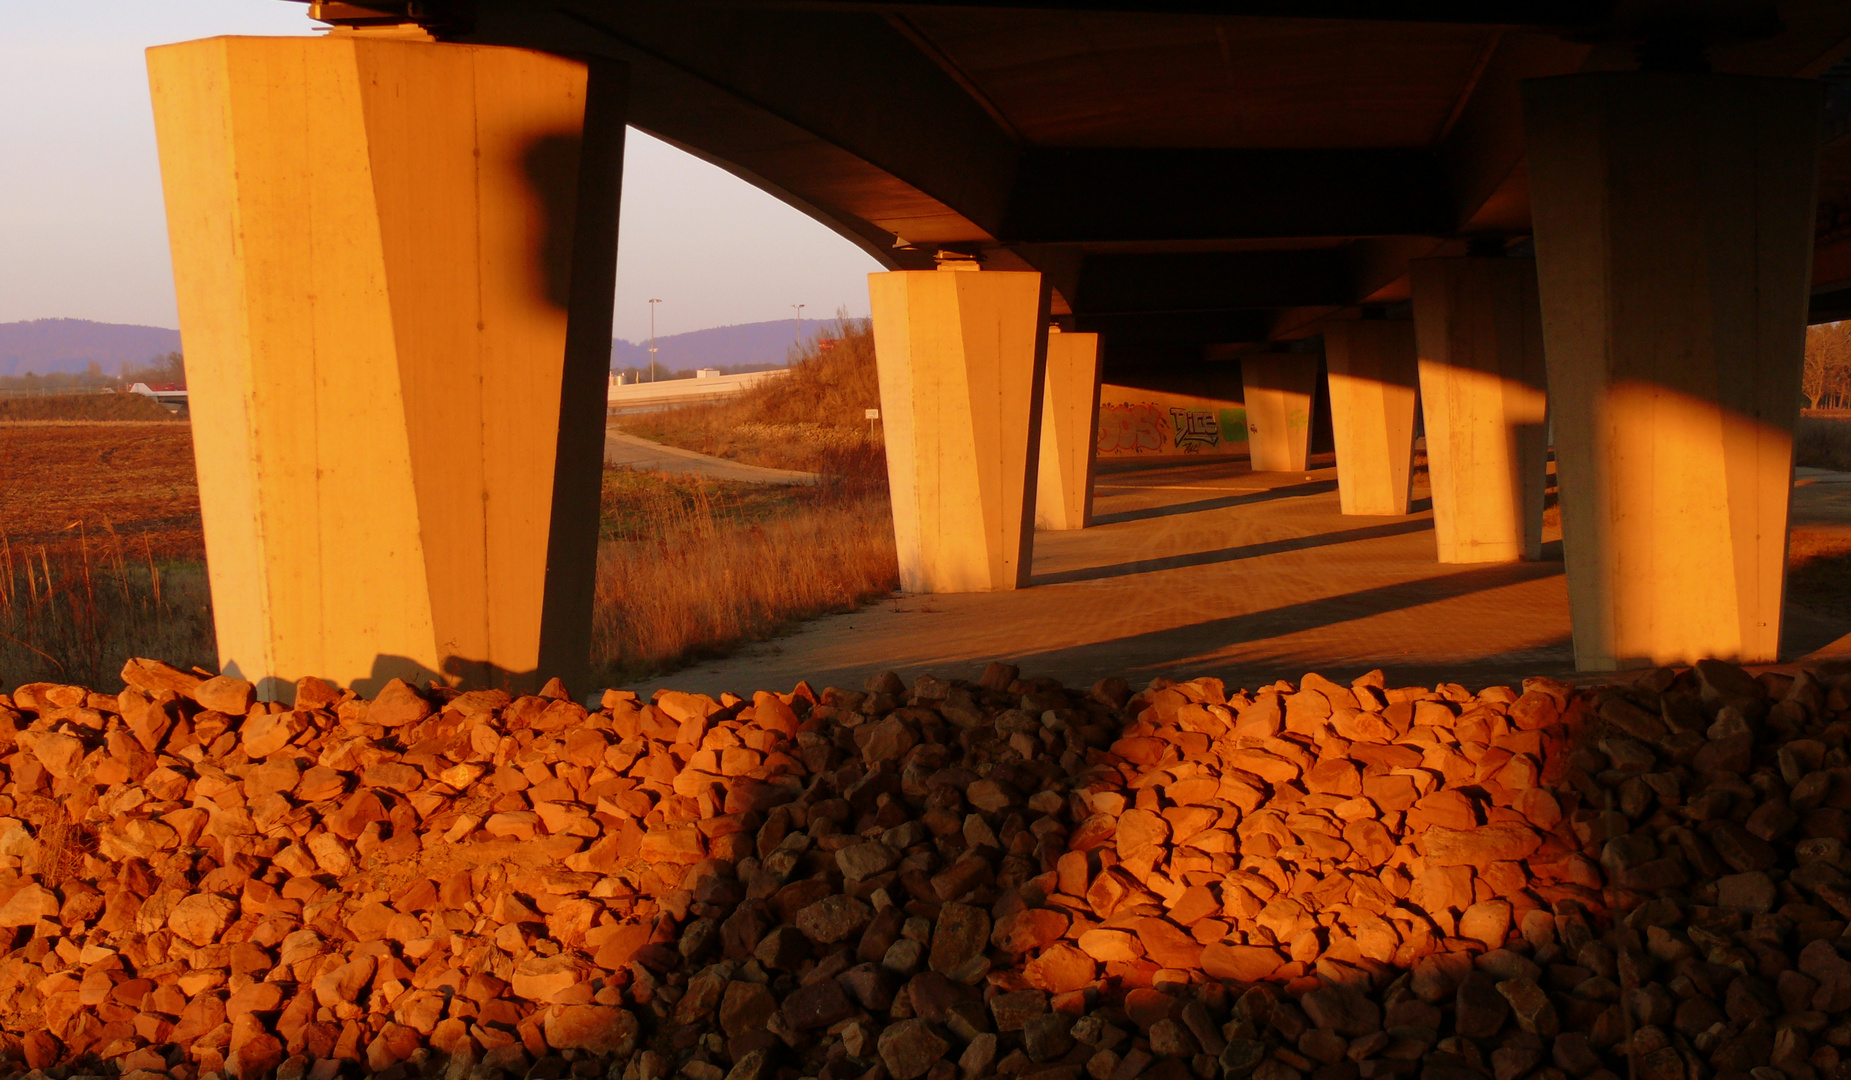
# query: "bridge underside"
1190,176
1525,216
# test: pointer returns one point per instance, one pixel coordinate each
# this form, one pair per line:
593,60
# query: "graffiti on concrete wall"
1193,430
1133,429
1173,424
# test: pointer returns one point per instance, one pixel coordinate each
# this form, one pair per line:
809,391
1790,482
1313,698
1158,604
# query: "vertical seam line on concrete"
315,367
487,639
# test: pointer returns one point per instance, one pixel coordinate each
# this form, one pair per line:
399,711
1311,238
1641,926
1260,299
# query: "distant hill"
54,346
759,344
67,346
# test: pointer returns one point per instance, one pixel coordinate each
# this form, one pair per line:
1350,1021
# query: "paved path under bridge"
1214,569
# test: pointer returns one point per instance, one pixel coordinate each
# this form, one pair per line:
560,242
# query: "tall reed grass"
686,569
707,574
77,614
690,570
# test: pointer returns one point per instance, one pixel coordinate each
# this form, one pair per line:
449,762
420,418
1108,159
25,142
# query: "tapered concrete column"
1278,389
960,358
1372,375
1674,221
1482,392
1069,433
394,262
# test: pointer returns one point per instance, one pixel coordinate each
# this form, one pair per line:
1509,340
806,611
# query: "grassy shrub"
1823,441
690,568
86,407
813,419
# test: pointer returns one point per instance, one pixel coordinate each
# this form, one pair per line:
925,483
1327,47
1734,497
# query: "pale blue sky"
82,234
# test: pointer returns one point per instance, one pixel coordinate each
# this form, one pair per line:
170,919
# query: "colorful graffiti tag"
1132,429
1194,430
1150,428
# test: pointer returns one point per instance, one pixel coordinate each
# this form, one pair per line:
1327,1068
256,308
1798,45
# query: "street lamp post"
799,308
652,339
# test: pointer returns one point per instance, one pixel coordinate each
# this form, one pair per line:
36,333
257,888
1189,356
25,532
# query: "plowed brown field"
60,482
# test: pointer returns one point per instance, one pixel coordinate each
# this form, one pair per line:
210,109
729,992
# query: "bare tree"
168,368
1826,376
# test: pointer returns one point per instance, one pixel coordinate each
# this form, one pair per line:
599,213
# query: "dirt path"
636,453
1821,500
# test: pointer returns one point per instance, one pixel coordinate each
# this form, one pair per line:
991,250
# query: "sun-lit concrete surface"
1484,397
961,356
1278,390
1213,569
1372,385
1672,401
394,262
1069,432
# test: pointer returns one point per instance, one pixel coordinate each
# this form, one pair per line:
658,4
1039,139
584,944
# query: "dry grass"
60,846
77,615
92,407
101,554
1823,440
638,505
812,419
693,569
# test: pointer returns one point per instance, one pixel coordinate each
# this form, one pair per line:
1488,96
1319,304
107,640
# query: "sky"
83,234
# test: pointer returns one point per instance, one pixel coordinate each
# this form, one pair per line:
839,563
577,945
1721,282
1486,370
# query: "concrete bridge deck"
1216,569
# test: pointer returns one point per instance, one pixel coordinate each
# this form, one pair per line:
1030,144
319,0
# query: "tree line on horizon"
821,336
166,368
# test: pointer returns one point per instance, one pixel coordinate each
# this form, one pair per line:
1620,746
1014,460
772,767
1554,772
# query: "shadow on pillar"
1483,397
566,613
1371,386
547,161
1323,428
398,409
455,671
1674,216
1280,392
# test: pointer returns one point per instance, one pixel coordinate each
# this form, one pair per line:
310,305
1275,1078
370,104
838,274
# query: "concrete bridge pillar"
1482,393
1278,389
1069,433
1372,375
961,358
394,261
1673,218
